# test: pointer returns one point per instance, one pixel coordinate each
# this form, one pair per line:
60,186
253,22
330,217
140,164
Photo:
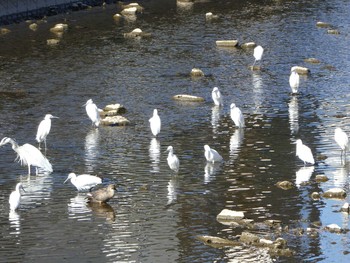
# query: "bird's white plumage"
15,197
83,182
237,116
217,98
341,139
172,160
29,155
294,80
155,123
304,152
93,112
212,155
44,129
258,52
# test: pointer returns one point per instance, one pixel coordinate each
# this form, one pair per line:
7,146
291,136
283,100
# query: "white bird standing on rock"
93,112
212,155
155,123
294,80
217,98
258,52
15,197
304,153
172,159
83,182
342,140
29,155
236,116
44,129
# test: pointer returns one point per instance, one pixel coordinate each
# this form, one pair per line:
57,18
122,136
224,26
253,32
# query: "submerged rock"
248,45
323,24
285,185
33,26
227,43
227,214
196,72
4,31
333,31
315,196
345,208
210,16
333,228
129,11
301,70
335,193
312,60
137,32
254,68
321,178
185,97
217,241
59,28
52,41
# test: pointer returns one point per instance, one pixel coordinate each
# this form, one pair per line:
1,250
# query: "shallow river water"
156,215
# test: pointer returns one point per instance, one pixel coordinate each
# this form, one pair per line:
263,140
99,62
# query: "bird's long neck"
14,144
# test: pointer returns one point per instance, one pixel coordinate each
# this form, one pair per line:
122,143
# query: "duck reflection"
210,170
215,117
102,210
91,149
236,141
293,110
154,154
303,175
172,190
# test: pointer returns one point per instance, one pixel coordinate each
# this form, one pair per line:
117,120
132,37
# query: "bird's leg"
36,170
254,63
45,145
39,146
28,169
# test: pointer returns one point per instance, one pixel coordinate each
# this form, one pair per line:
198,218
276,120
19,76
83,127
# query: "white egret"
304,153
15,197
102,195
172,159
155,123
29,155
294,81
258,52
93,112
212,155
237,116
83,182
217,98
44,129
342,140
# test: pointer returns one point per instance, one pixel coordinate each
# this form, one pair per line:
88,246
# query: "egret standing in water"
101,195
217,98
304,153
172,160
93,112
83,182
15,197
44,129
29,155
342,140
294,80
212,155
258,52
236,116
155,123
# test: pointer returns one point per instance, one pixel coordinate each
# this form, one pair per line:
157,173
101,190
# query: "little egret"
217,98
172,159
15,197
304,153
83,182
29,155
237,116
155,123
258,52
294,81
212,155
44,129
342,140
93,112
101,195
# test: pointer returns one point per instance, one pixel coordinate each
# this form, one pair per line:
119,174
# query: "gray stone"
185,97
335,193
227,43
115,121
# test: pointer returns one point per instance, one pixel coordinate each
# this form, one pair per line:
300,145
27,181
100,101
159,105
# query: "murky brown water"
160,223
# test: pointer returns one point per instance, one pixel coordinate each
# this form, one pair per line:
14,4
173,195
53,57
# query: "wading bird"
212,155
155,123
29,155
217,98
342,140
172,159
258,52
294,81
83,182
101,195
15,197
304,153
93,113
236,116
44,129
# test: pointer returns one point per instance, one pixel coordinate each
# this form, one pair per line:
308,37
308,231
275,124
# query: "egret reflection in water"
258,92
172,190
293,110
15,223
340,176
91,149
303,175
236,141
210,170
77,208
154,154
215,118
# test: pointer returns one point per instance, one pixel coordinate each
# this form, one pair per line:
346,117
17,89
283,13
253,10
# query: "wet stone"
321,178
333,228
333,31
301,70
335,193
248,45
185,97
196,72
227,214
115,121
226,43
345,208
315,196
323,24
285,185
312,60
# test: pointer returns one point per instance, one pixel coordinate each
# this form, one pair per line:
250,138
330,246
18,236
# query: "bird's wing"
34,157
43,130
